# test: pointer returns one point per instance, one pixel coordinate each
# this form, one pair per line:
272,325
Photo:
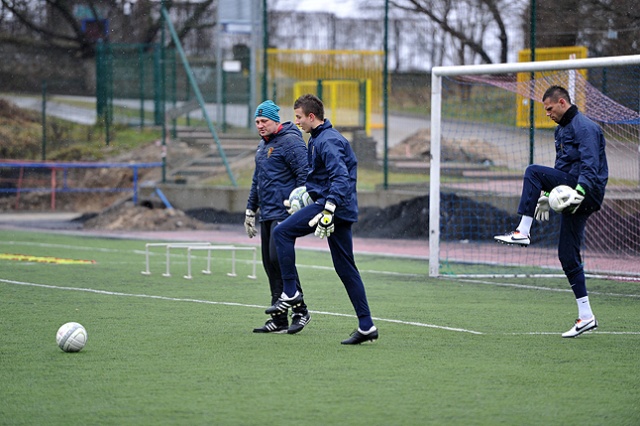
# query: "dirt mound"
127,216
462,219
467,150
209,215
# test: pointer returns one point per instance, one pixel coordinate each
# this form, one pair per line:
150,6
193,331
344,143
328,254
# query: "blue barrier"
65,166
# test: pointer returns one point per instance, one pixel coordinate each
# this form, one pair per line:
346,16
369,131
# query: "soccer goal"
473,111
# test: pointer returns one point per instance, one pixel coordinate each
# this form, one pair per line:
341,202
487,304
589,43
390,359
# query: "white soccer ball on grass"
71,337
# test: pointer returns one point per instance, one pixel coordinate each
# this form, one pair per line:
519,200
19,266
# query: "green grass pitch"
166,350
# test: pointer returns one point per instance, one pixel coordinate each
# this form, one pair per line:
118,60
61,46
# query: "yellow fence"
350,81
347,103
547,78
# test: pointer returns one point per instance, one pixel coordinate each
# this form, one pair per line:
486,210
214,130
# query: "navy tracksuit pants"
572,226
271,265
341,247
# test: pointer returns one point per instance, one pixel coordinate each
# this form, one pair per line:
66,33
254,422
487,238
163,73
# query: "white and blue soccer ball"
559,197
71,337
298,199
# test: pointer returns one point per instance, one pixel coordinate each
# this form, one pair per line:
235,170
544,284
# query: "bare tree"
66,23
470,23
606,27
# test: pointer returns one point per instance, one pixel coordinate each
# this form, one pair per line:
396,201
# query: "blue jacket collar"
326,125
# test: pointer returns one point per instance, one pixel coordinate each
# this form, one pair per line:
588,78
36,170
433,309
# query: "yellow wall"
288,69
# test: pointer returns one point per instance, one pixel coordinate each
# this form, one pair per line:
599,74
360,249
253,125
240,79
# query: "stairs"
203,158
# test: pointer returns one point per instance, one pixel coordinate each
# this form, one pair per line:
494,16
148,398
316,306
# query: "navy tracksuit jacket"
580,159
281,166
332,177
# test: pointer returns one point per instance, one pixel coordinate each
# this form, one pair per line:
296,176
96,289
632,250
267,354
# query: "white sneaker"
581,326
514,238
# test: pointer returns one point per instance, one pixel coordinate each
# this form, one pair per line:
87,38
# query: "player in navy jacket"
281,166
581,163
331,183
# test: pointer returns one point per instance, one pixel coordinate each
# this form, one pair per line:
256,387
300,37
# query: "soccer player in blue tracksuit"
581,163
331,183
281,166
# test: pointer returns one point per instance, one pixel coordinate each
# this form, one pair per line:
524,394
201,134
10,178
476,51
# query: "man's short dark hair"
310,104
555,93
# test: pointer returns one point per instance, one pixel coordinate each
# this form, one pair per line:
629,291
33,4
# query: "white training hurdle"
197,246
168,246
209,249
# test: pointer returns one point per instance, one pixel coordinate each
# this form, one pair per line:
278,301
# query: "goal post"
491,188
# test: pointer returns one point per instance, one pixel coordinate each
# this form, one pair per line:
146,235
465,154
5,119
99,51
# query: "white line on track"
211,302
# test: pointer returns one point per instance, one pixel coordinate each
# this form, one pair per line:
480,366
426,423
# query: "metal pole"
255,47
162,96
532,123
44,120
265,46
224,102
385,96
198,94
141,77
219,88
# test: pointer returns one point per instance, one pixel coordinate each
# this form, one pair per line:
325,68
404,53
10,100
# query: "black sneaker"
271,327
358,336
282,305
298,321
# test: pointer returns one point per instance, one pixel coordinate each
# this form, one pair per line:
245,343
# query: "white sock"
525,225
584,308
371,330
284,296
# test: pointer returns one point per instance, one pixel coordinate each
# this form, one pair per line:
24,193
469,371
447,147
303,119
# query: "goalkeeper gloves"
542,208
324,221
290,209
250,223
575,199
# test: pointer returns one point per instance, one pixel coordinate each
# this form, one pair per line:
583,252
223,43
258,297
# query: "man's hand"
542,209
250,223
575,199
324,221
291,209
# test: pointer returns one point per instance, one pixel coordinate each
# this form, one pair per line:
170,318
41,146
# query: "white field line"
211,302
533,287
65,246
329,268
555,333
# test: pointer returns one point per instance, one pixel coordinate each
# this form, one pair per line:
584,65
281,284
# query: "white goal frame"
436,120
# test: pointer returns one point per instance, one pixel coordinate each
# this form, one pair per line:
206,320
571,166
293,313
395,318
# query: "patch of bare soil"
102,210
467,150
127,216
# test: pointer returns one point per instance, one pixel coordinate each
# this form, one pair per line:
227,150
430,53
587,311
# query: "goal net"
478,110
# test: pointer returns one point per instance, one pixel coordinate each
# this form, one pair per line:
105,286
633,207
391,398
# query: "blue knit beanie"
269,110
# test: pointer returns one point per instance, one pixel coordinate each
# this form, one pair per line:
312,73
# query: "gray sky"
340,8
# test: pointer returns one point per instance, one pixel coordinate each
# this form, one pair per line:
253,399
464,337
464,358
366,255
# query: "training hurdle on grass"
197,246
211,248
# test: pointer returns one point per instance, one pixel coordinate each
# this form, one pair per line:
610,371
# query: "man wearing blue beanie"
268,109
281,166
